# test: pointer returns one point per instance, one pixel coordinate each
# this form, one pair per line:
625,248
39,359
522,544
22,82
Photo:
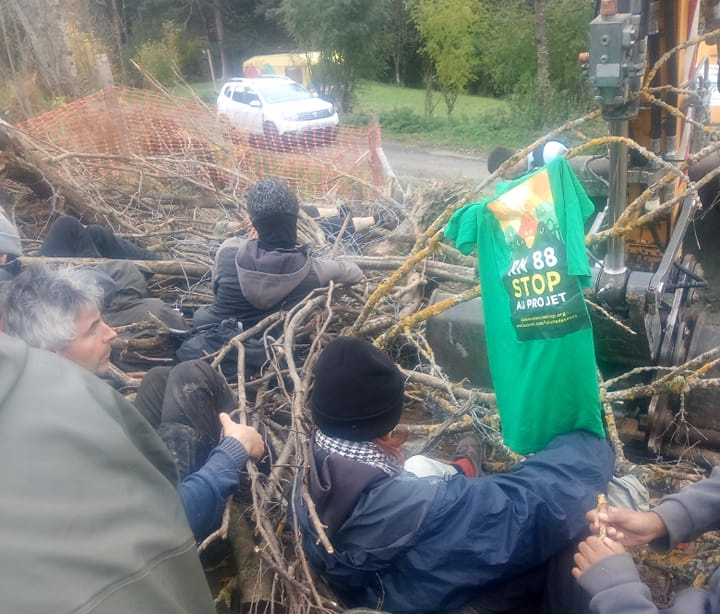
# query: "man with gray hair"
59,310
90,513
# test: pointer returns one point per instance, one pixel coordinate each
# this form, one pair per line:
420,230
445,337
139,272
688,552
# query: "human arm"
676,518
612,579
204,492
454,536
609,575
690,512
593,550
339,271
224,262
629,527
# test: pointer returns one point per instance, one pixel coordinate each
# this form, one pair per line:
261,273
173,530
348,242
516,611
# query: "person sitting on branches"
58,309
465,542
253,278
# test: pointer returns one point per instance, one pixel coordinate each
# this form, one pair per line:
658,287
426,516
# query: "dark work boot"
471,450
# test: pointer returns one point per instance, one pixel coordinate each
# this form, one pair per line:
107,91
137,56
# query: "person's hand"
246,435
593,550
628,527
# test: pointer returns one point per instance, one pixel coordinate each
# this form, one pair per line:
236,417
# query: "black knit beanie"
271,197
358,391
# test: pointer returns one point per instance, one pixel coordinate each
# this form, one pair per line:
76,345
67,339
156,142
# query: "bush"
154,58
157,57
551,110
404,120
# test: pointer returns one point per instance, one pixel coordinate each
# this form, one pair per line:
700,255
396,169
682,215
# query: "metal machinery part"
646,281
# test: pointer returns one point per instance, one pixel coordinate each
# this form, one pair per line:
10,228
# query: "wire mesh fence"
124,123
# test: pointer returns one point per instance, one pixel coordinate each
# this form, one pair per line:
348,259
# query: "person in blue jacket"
58,309
408,544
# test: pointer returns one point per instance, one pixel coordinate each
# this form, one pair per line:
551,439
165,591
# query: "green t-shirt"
533,265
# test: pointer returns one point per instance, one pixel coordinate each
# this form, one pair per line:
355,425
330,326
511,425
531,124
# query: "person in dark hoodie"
407,544
253,278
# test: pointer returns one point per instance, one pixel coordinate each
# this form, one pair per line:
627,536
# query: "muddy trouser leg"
517,595
150,394
563,593
68,238
111,246
545,589
194,396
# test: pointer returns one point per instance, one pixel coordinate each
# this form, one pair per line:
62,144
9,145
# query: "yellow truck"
297,65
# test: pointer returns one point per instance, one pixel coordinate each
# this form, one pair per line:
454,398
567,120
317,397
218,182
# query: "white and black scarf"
361,451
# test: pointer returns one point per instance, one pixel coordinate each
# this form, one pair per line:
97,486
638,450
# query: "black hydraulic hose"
689,273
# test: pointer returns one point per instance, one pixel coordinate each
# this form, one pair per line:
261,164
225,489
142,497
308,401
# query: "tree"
215,25
349,34
399,33
44,25
517,59
543,51
448,29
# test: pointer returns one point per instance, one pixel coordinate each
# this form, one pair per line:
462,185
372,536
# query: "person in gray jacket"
10,249
90,516
605,570
253,278
58,310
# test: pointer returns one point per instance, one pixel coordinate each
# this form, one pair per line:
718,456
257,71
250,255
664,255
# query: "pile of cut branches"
186,216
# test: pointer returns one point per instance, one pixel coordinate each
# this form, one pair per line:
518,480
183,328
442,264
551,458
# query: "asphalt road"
414,162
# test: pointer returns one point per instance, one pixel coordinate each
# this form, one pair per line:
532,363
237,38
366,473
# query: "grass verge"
477,123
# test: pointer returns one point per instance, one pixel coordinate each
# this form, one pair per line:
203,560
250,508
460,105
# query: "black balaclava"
277,231
273,208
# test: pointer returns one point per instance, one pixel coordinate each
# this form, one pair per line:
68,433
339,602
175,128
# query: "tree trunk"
43,22
428,78
117,30
543,53
220,32
400,29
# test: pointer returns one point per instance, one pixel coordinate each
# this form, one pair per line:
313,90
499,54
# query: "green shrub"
157,57
545,112
406,121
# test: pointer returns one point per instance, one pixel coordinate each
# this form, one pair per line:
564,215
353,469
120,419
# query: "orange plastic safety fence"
113,127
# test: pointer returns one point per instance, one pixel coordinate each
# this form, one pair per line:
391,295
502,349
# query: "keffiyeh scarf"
361,451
